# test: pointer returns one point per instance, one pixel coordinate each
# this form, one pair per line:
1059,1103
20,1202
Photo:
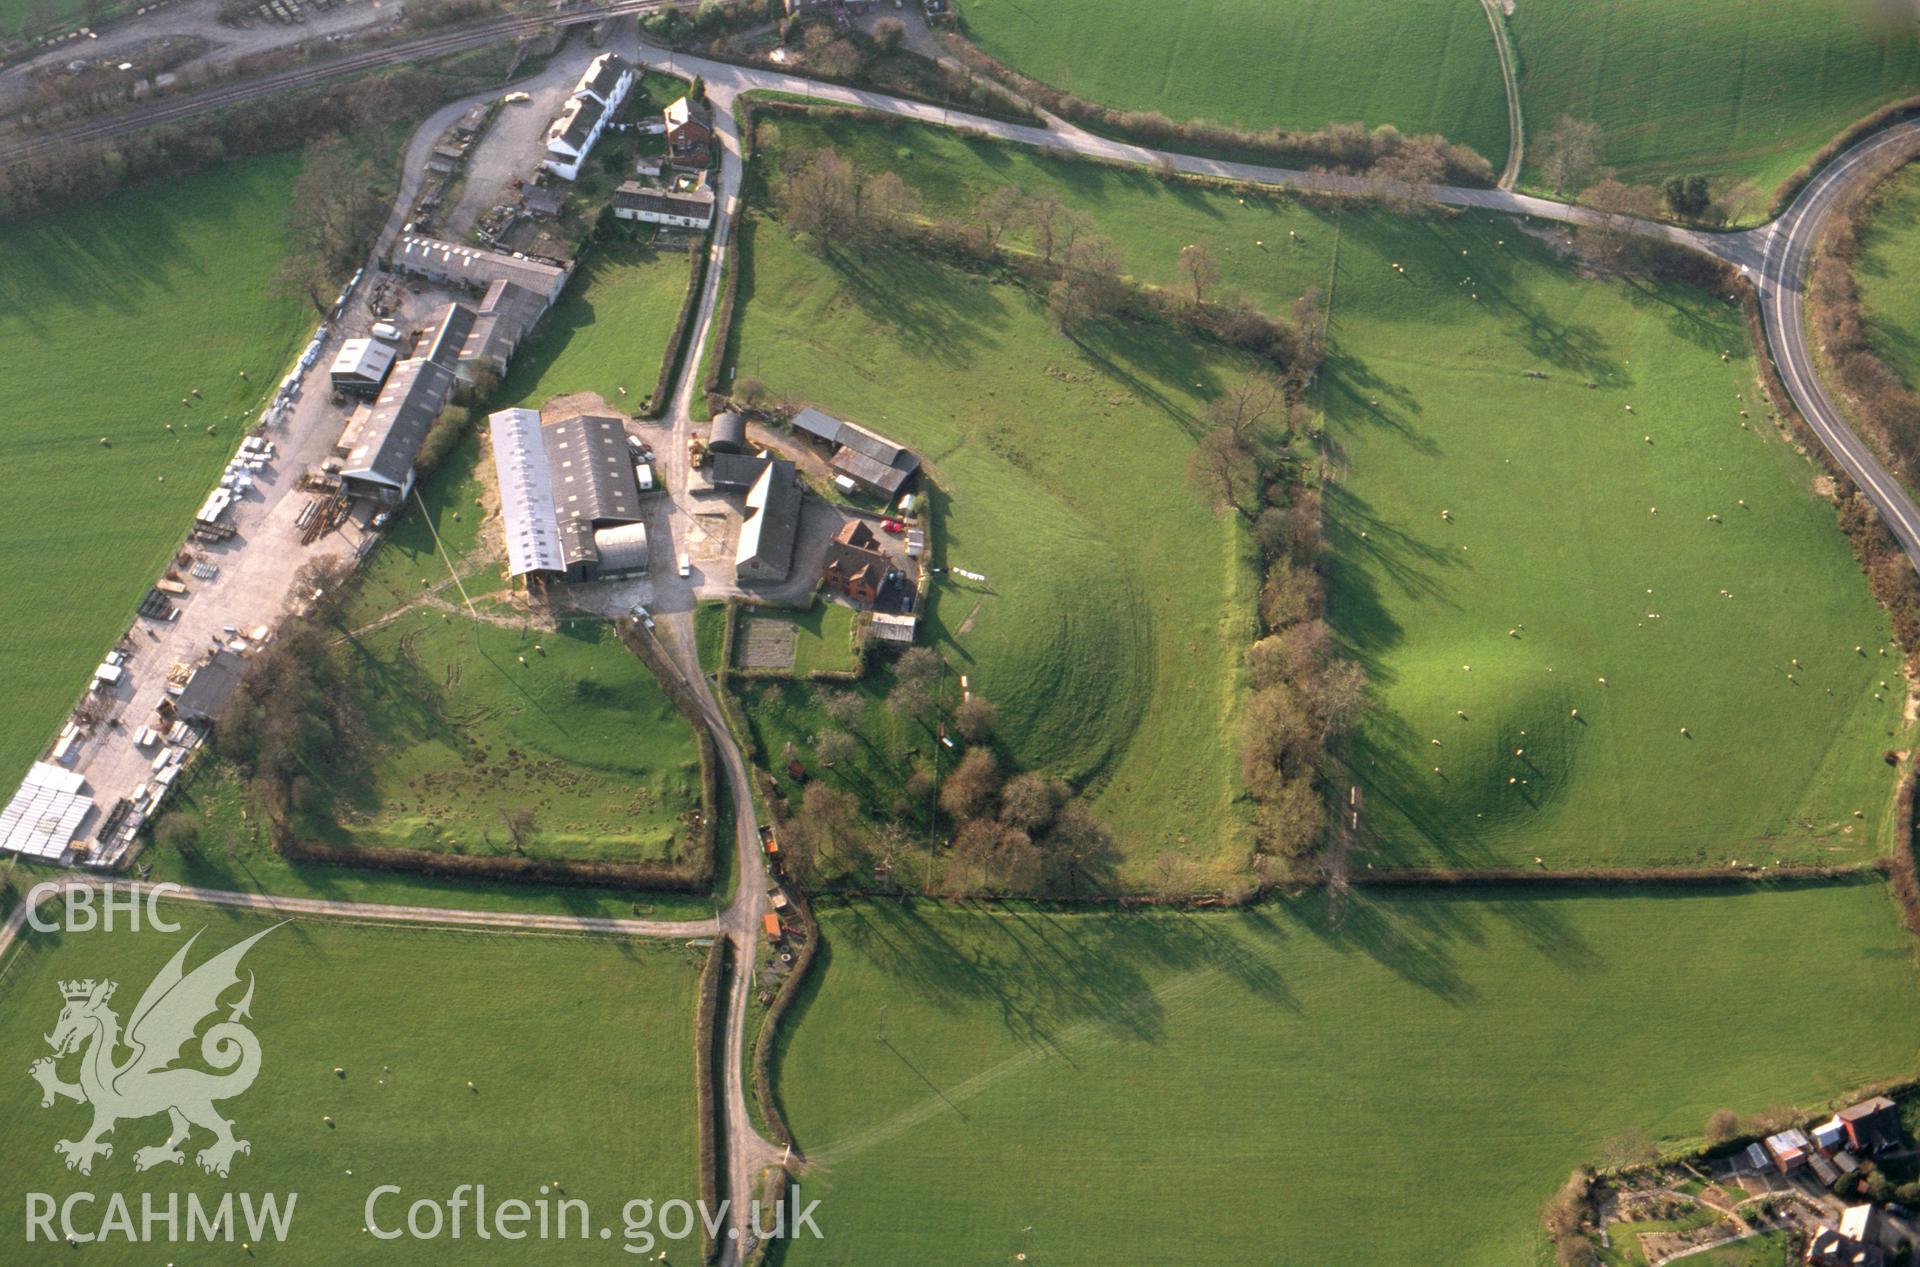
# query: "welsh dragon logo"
146,1083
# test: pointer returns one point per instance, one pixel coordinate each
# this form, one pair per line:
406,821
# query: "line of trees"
85,171
836,206
1887,408
290,724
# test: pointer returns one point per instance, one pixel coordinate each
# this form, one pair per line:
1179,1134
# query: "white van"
686,565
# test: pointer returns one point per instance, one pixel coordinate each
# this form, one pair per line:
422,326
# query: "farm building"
567,493
736,472
678,208
362,366
571,136
729,434
773,519
690,132
856,566
543,203
622,549
873,462
1871,1124
207,690
474,268
507,312
1863,1223
888,627
378,446
1788,1150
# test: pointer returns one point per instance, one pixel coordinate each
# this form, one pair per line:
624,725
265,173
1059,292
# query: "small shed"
1788,1149
771,923
1830,1135
622,548
729,433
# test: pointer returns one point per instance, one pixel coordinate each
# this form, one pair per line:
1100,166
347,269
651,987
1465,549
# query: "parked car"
893,526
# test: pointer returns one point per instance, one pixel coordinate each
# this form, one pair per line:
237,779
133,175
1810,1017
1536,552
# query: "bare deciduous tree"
1200,269
1570,153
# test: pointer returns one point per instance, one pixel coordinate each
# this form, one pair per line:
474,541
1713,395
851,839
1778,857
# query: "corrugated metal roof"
622,548
526,498
591,470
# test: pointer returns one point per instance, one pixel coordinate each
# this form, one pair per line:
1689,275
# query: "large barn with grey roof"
568,497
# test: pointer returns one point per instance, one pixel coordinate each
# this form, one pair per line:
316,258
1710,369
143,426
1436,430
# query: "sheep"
1573,712
1461,713
1686,733
1602,681
1519,752
1434,742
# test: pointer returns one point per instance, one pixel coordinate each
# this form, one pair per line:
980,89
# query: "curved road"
1787,255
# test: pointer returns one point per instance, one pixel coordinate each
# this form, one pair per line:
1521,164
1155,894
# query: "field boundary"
1874,121
712,1155
768,1038
659,400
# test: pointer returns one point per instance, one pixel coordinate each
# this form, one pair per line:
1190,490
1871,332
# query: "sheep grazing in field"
1629,408
1466,668
1519,752
1513,633
1713,519
1434,742
1742,501
1461,713
1859,651
1573,712
1511,782
1436,769
1601,681
1686,733
1653,510
1648,439
1796,662
1447,515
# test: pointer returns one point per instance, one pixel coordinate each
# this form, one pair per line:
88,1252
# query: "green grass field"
1886,267
467,735
608,331
232,851
1740,89
92,306
1551,483
1100,1087
579,1052
1112,653
1422,65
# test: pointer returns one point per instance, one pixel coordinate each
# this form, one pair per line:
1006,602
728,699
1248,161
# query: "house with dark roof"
1871,1124
773,521
690,132
736,472
1829,1248
677,208
856,566
606,80
380,442
571,136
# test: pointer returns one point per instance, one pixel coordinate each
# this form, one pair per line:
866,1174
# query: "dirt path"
1496,11
503,921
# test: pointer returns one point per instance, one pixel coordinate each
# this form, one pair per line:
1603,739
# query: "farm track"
1516,122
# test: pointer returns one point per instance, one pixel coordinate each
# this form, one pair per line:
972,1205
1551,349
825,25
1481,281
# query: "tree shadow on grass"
939,314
